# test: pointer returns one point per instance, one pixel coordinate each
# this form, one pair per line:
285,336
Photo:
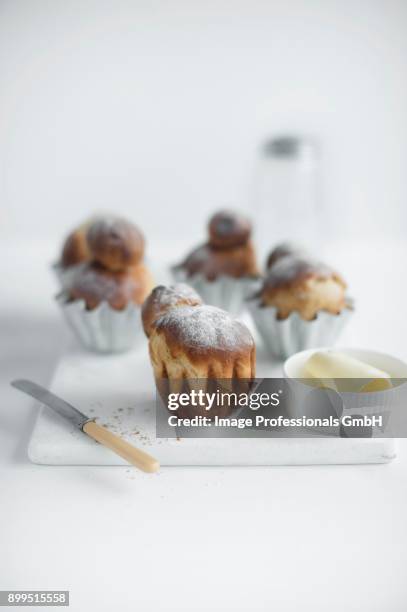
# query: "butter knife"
130,453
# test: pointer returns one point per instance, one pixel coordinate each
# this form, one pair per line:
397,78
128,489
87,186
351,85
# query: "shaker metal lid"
290,146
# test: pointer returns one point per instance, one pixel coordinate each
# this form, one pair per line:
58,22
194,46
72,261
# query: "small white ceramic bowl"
351,402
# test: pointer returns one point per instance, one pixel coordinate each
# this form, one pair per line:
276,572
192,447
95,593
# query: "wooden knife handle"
130,453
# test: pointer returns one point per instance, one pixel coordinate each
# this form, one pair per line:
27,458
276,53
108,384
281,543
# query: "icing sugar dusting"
170,296
206,327
113,228
291,267
103,285
198,255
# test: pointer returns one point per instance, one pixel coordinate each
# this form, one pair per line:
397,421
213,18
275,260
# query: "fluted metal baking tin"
103,329
64,275
284,337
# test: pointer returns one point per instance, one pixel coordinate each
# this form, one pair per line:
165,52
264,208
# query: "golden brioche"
200,343
236,262
228,229
282,250
228,252
161,299
95,284
75,249
115,243
303,285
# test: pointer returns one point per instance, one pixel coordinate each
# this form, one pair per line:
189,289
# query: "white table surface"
259,539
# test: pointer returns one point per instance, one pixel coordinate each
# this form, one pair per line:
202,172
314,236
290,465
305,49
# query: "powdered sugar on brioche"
90,279
172,295
92,282
292,268
205,327
111,224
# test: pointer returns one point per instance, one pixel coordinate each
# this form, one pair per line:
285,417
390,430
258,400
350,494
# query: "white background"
157,109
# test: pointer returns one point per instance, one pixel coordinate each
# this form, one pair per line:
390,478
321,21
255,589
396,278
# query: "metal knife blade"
74,416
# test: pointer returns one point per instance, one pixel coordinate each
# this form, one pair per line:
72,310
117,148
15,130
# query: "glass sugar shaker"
286,206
